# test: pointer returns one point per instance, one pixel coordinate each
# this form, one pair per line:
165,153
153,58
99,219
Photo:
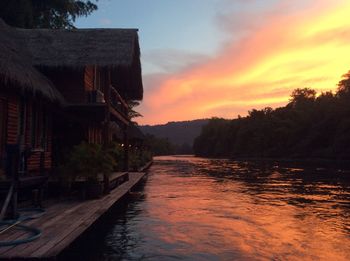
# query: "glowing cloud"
300,48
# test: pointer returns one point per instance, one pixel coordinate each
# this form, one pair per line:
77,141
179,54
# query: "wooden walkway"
62,223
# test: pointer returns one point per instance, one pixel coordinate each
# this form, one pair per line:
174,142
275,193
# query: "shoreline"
297,161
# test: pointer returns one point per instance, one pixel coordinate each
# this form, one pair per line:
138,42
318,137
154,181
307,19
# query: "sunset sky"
205,58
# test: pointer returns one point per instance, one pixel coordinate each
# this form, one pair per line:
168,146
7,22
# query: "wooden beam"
119,116
107,96
119,97
7,202
126,149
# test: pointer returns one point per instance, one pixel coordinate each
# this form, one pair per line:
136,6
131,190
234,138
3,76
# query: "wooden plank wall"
95,134
13,132
89,78
70,83
12,120
34,159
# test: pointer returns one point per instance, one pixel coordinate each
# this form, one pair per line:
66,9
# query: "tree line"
163,146
309,126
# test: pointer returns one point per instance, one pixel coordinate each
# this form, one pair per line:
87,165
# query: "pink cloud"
285,48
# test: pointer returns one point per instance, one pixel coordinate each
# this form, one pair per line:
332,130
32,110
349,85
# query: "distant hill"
178,133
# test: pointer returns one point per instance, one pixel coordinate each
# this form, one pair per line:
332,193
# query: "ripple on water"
201,209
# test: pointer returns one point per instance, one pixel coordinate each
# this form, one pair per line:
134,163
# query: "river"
201,209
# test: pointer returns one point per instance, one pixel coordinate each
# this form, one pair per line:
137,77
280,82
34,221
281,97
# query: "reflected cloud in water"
201,209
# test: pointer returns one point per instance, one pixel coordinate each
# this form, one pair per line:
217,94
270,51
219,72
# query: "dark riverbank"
342,165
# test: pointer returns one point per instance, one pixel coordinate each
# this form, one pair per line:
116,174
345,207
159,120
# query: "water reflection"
199,209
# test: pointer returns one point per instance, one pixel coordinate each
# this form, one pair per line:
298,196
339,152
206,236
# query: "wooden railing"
118,103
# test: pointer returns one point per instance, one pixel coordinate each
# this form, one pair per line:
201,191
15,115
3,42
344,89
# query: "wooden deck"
62,223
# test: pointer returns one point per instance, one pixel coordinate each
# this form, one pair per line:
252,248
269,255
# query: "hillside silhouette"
181,134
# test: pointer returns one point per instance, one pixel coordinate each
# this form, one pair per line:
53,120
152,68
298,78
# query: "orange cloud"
286,51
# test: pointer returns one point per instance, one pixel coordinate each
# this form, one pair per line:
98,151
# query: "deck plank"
46,222
64,222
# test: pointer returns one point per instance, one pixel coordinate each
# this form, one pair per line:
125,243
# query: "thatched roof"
115,48
16,70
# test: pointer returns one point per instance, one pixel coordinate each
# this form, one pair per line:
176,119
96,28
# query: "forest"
310,126
159,146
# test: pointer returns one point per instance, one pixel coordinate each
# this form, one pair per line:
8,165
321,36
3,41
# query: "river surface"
201,209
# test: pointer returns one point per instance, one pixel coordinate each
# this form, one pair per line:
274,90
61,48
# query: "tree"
131,112
302,96
344,85
45,13
159,146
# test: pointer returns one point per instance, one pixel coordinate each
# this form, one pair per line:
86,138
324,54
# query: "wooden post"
42,162
12,162
15,181
106,138
6,203
107,96
126,148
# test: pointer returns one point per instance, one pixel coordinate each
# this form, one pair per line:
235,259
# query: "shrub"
88,160
138,159
116,151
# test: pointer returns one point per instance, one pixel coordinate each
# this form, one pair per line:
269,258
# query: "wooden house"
97,71
27,100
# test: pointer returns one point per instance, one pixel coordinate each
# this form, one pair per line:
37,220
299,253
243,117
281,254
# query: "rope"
8,228
35,232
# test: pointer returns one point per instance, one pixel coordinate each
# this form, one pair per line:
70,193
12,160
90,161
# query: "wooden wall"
75,84
13,135
12,119
96,78
93,80
70,83
46,145
89,78
95,134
